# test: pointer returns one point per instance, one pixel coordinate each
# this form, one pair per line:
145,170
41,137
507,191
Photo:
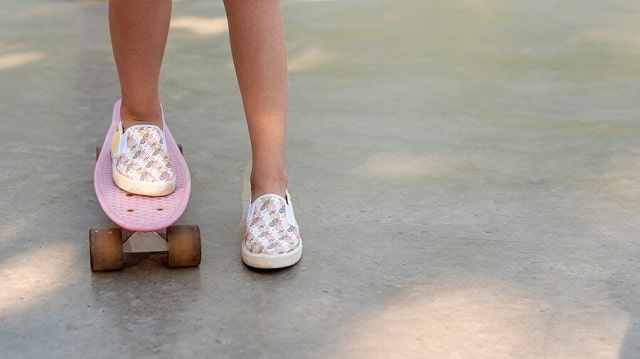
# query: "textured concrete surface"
466,174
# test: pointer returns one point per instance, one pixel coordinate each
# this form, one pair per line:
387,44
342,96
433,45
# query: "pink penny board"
134,212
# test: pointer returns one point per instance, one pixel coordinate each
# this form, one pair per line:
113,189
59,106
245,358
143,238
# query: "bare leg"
259,54
139,31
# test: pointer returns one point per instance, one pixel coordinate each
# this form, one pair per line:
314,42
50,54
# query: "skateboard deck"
142,216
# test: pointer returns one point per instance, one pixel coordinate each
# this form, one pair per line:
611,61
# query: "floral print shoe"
140,161
272,237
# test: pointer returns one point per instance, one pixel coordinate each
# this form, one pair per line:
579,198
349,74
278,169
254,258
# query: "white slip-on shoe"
272,237
140,162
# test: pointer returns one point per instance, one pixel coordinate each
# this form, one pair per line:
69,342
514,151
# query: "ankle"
132,117
275,184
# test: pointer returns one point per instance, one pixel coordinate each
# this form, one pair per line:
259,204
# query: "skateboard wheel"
180,148
98,149
105,249
183,246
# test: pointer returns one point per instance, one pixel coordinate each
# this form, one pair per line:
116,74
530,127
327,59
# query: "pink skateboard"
145,223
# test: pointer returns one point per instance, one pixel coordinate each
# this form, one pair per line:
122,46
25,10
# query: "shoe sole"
267,261
142,188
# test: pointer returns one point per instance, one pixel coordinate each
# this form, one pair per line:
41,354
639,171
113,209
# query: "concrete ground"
466,175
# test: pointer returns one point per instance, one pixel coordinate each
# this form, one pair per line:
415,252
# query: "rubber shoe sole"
271,261
143,188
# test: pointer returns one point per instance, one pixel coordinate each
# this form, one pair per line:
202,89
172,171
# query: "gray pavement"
466,175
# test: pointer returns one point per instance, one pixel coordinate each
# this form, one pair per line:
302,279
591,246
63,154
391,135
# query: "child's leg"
259,54
139,31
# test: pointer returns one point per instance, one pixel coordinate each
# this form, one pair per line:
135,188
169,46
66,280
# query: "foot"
272,237
140,161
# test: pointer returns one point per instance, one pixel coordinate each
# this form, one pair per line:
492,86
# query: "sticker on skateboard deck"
142,220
